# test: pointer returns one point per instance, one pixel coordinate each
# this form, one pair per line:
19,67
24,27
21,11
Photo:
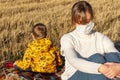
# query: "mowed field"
18,16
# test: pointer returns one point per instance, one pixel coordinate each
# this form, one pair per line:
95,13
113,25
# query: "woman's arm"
71,56
108,45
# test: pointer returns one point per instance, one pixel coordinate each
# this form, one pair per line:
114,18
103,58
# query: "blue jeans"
98,58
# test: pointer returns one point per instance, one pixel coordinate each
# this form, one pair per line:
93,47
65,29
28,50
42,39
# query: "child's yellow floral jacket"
40,56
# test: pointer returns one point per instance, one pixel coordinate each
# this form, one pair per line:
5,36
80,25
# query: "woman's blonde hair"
79,10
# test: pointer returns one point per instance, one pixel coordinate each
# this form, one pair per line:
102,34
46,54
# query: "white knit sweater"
75,43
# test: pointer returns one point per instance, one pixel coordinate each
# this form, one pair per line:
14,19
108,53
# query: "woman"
89,55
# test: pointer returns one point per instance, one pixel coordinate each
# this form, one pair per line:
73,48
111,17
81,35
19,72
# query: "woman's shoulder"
67,36
99,34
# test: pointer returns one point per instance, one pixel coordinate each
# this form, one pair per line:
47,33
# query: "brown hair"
39,30
79,11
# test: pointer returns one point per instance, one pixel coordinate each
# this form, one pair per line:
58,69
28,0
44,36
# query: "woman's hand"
118,76
104,69
114,69
110,70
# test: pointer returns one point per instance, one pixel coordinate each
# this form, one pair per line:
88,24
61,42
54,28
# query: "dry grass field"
18,16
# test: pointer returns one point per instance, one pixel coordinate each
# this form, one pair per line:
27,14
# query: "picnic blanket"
11,74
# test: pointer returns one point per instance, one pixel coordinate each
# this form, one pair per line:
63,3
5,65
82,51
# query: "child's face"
33,37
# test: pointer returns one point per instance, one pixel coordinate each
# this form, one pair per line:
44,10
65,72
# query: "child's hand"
14,64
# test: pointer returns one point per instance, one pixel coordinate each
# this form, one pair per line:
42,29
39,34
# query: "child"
89,55
40,56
